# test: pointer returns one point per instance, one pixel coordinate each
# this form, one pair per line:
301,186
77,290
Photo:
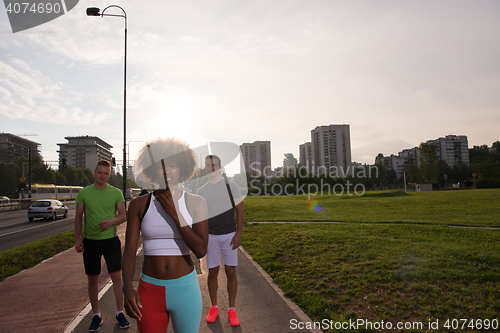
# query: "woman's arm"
132,300
196,238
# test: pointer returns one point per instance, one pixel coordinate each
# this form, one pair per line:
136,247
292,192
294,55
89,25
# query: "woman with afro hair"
172,223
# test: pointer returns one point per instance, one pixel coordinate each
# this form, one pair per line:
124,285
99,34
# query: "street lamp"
93,11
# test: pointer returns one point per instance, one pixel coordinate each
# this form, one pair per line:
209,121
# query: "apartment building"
410,156
393,162
305,155
289,161
331,149
257,158
84,151
12,147
453,149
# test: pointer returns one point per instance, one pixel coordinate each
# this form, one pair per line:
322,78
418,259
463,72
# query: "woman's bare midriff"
167,267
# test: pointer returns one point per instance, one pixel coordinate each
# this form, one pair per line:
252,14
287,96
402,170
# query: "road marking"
15,232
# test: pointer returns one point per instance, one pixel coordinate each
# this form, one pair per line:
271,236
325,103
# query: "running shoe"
122,321
96,323
233,320
213,314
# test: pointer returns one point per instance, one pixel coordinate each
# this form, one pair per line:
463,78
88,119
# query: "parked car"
4,199
47,209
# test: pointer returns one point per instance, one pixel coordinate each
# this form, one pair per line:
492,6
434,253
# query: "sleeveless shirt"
160,234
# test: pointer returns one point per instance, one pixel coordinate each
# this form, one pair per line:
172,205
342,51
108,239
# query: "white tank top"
160,235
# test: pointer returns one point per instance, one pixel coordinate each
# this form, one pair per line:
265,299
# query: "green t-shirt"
99,205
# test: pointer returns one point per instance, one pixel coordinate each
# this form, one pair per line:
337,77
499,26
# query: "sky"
398,72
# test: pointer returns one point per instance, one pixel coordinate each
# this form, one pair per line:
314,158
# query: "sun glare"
178,117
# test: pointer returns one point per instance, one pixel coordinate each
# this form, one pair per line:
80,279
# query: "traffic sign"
22,179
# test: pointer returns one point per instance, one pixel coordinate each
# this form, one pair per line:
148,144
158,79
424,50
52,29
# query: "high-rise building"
410,156
453,149
257,157
13,146
331,149
393,162
289,161
305,156
84,151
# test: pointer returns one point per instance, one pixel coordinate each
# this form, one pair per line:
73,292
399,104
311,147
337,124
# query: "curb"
294,307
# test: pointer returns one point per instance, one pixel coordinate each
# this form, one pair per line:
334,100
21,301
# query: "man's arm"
78,228
236,241
122,217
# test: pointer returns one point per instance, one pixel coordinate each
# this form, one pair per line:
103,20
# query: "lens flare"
314,206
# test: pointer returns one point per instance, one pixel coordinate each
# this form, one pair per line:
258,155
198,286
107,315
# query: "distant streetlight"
93,11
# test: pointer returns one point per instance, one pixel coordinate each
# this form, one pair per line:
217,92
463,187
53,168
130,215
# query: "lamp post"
93,11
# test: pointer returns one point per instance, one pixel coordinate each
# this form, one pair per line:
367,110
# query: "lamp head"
93,11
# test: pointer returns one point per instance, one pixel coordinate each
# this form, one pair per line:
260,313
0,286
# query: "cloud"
425,95
414,70
28,94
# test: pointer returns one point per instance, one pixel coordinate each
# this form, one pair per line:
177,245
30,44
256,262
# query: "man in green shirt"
100,202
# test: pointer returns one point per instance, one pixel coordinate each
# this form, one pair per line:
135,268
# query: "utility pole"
29,161
404,175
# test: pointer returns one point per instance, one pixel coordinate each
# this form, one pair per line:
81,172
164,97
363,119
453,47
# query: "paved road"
15,229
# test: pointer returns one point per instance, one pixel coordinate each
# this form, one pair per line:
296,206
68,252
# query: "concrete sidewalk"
45,298
52,297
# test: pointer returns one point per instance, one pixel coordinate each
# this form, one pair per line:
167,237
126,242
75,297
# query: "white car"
4,199
47,209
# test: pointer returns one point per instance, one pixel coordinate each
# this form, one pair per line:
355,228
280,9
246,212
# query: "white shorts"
220,245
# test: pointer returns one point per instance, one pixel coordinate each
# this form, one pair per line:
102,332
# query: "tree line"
484,164
42,173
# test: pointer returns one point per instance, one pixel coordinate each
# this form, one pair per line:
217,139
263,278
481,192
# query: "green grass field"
470,208
415,269
394,257
26,256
